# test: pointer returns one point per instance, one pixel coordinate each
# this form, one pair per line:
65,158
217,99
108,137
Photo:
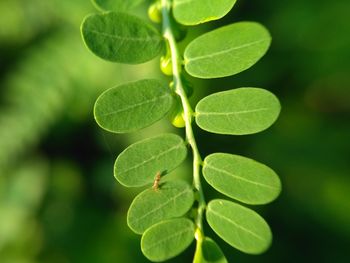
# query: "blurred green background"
59,201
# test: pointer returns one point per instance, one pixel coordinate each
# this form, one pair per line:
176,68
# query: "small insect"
156,181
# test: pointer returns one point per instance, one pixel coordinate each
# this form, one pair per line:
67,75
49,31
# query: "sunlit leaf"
167,239
205,10
239,226
133,106
138,164
172,199
116,5
238,112
227,51
209,252
241,178
121,37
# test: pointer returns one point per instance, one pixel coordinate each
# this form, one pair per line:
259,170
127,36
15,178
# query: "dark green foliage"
212,54
238,112
120,37
241,178
67,207
121,109
222,52
167,239
205,10
167,200
139,164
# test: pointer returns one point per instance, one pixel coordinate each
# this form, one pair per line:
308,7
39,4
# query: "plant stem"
188,113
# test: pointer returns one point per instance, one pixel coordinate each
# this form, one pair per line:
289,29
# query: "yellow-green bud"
154,13
166,66
179,121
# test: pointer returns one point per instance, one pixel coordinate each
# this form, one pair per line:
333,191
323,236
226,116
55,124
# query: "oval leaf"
167,239
138,164
227,51
239,226
133,106
172,199
116,5
206,10
241,178
120,37
238,112
209,252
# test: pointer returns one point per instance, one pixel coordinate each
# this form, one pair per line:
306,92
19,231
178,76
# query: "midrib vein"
167,238
222,52
232,112
239,177
124,38
135,105
152,158
161,206
238,226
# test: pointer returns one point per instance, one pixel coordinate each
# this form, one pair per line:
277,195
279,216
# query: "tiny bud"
154,13
179,121
166,66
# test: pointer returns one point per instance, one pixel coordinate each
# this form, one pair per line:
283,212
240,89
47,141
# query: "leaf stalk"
177,63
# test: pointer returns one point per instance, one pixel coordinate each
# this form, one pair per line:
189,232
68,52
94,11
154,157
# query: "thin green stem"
188,113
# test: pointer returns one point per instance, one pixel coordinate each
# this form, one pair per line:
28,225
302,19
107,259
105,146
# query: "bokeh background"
59,201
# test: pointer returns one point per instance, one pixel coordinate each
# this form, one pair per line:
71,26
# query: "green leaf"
206,10
121,37
138,164
238,112
241,178
172,199
209,252
116,5
167,239
239,226
133,106
227,51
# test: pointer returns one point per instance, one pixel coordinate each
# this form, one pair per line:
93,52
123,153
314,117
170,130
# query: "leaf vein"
152,158
239,177
237,225
232,112
161,206
167,238
134,105
222,52
124,38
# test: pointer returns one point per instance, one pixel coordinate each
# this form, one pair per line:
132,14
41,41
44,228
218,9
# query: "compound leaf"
227,51
206,10
239,226
241,178
167,239
172,199
133,106
238,112
209,252
138,164
121,37
116,5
